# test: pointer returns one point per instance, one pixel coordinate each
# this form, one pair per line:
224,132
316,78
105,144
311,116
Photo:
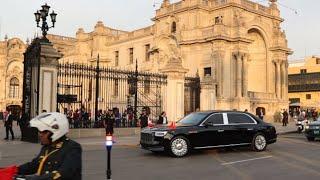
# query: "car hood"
169,127
314,123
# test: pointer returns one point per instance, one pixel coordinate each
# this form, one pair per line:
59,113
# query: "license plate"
316,132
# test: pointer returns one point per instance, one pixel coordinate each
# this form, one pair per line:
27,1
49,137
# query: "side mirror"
207,124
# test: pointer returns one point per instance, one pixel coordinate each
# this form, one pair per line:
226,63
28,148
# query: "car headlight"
160,133
307,127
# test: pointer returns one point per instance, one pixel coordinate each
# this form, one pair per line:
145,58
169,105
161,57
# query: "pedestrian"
260,114
8,124
163,118
143,119
117,117
59,157
108,124
22,122
285,118
124,119
130,119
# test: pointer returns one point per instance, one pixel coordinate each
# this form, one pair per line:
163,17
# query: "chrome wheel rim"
179,147
260,142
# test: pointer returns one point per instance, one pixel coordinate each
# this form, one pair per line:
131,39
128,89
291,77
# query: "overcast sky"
17,19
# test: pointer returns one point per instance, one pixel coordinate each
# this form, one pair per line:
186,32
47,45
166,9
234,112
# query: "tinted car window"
236,118
193,118
215,119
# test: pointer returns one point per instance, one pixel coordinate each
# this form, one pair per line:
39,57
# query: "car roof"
220,111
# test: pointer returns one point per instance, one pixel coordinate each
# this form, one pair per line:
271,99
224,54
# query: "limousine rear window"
193,118
235,118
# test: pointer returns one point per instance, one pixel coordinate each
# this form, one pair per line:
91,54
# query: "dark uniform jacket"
143,120
109,123
61,161
8,122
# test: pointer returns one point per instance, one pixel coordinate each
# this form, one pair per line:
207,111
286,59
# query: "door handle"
220,130
250,129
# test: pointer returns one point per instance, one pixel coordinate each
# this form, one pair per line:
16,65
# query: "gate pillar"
175,89
40,77
208,94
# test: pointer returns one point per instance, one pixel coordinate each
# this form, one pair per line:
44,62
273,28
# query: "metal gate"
78,88
191,94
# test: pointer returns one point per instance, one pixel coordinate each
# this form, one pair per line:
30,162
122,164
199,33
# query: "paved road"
292,157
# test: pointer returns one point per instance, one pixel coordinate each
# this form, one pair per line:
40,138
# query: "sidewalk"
290,128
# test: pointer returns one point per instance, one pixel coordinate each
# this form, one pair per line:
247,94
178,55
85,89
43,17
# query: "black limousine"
201,130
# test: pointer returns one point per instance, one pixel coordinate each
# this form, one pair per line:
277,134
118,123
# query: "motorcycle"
301,125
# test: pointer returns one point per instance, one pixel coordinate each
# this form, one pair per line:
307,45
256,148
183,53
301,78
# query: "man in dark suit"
22,122
143,119
8,124
162,118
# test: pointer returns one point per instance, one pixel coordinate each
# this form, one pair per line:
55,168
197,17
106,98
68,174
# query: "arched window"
173,27
14,88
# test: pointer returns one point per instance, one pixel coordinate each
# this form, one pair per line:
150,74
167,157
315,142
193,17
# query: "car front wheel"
259,142
179,146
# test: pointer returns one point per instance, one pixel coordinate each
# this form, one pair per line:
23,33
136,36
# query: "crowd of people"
81,118
301,114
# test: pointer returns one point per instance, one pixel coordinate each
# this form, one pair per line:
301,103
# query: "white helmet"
54,122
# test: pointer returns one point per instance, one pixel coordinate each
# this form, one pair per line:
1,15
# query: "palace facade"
304,83
236,47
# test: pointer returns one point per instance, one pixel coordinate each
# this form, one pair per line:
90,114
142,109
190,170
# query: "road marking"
246,160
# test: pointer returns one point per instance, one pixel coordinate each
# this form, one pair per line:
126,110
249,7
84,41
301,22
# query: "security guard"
59,158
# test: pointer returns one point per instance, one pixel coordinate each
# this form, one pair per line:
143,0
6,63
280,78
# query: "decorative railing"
261,95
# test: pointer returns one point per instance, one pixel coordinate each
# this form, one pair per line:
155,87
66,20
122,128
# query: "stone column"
238,58
218,57
175,89
40,78
245,76
283,79
278,79
48,78
286,84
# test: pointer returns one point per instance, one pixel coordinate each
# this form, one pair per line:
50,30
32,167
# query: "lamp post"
42,15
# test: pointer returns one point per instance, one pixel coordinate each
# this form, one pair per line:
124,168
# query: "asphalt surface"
292,157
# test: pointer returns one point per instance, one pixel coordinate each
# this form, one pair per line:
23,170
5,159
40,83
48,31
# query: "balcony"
304,82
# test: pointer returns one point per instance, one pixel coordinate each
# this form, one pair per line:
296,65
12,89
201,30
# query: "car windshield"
193,118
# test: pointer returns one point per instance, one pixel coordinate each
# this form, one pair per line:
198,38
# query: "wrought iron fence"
119,90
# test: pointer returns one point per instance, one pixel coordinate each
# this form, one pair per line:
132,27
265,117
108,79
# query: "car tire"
311,138
179,146
259,142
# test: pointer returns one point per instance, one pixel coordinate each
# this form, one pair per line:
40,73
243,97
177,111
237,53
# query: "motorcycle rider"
59,157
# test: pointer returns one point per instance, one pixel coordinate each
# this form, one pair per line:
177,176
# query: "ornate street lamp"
42,15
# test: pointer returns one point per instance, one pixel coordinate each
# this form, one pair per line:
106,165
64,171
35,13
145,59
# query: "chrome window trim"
255,122
205,147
